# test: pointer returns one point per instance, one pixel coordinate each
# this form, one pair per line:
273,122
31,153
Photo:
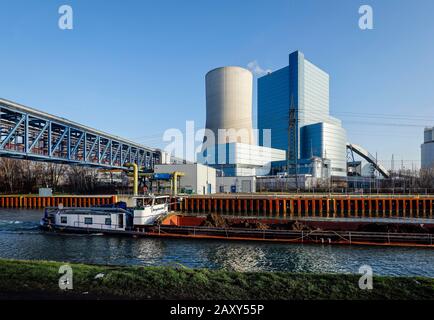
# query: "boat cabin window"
143,202
87,220
108,221
63,219
160,200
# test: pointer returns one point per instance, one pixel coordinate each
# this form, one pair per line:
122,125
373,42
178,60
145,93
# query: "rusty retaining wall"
36,202
311,206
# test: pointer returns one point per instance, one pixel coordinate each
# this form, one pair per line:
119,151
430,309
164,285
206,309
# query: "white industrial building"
368,170
236,184
197,179
241,159
325,140
427,149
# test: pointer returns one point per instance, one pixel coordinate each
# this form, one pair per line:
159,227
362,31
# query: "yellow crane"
173,181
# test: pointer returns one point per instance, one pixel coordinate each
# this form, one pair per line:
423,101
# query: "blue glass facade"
303,88
327,141
273,104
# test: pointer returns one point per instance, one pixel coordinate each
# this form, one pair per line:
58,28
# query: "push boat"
116,218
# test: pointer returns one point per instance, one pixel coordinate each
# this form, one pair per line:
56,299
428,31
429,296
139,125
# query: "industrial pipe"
135,177
175,176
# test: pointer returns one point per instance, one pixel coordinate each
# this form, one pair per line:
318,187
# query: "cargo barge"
151,218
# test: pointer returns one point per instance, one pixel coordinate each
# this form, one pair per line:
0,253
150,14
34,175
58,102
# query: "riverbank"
39,280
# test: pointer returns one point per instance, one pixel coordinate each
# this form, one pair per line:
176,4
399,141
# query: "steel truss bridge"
26,133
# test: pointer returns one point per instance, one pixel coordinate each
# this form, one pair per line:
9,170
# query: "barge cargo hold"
310,231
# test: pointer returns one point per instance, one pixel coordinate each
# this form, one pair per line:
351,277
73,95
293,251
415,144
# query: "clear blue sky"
136,68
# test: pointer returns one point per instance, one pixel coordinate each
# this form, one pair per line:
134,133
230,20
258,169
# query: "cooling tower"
229,103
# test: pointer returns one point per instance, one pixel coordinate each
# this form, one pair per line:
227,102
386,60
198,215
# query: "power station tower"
229,93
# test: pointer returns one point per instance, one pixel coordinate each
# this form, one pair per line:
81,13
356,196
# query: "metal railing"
345,236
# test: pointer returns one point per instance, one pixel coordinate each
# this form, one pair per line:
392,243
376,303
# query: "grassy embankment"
39,279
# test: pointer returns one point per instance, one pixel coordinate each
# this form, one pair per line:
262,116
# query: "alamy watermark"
366,20
66,280
208,146
366,280
66,20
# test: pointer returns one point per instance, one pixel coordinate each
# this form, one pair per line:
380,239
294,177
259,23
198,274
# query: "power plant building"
326,141
294,103
241,159
229,92
427,149
229,143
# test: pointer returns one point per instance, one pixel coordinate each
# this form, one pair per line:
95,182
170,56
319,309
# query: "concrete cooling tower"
229,102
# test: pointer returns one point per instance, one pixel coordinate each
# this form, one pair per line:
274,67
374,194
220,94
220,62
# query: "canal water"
20,238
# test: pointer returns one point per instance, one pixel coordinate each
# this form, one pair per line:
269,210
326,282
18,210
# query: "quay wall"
267,206
331,206
37,202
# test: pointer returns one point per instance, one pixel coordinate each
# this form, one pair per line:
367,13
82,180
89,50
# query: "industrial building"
427,149
241,159
298,143
242,184
326,141
229,92
196,178
294,103
229,142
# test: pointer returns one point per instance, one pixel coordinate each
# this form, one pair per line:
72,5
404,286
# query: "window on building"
63,219
108,221
88,221
121,220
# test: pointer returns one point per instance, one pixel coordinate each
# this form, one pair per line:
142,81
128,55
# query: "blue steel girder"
39,136
93,140
117,153
78,142
62,135
106,143
31,134
12,131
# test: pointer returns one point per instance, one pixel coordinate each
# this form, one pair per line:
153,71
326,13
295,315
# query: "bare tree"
31,175
53,174
9,171
426,178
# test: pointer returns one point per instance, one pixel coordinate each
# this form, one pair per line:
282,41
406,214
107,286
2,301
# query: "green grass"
39,279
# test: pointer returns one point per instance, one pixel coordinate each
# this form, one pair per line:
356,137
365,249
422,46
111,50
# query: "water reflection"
238,257
146,251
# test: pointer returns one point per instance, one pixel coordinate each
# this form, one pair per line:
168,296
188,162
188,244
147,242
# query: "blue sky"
136,68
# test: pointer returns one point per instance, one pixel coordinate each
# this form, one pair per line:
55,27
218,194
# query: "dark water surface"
20,238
